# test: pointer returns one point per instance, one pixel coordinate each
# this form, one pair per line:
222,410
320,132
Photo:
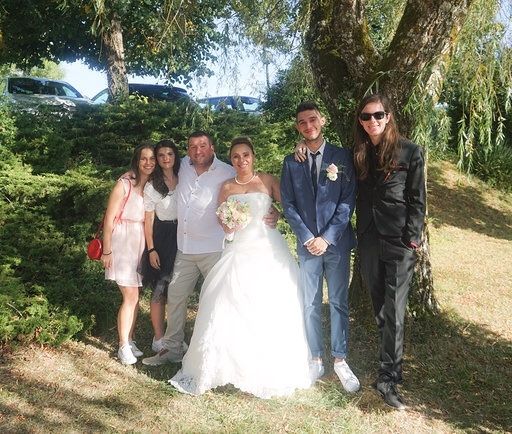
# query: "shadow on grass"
465,207
461,371
455,371
44,405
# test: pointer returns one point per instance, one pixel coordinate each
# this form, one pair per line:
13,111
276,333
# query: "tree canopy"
169,39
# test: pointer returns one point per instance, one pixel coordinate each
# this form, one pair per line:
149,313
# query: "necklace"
247,182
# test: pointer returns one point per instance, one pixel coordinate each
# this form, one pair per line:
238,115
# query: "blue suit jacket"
329,213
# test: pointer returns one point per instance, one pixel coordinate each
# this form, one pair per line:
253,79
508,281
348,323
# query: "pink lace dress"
128,240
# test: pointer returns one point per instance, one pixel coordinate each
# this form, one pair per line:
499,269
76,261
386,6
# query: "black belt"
174,222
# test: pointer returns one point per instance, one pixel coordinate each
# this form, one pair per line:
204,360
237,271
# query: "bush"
44,267
26,318
494,166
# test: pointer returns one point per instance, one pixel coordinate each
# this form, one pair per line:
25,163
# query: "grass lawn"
458,366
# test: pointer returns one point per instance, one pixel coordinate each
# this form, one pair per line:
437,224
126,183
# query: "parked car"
247,104
157,92
33,91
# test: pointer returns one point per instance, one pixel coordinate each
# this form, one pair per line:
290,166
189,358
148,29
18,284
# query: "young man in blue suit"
318,197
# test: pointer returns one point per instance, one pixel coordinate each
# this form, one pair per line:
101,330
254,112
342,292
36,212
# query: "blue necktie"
314,176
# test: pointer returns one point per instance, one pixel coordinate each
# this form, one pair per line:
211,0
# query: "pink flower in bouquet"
234,214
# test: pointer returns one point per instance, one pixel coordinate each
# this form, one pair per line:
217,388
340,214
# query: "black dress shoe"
389,392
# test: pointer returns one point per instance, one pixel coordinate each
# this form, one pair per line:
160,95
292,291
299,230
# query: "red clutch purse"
95,249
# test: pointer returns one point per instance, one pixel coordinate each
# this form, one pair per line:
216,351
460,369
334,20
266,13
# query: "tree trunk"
117,80
346,65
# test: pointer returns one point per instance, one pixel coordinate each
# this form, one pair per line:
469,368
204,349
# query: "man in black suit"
390,210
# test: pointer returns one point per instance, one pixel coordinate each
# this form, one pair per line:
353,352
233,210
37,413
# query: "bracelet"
106,254
151,250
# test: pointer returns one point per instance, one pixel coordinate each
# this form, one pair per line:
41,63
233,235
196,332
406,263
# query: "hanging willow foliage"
478,88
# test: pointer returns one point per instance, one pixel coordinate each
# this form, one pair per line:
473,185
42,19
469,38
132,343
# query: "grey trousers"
187,268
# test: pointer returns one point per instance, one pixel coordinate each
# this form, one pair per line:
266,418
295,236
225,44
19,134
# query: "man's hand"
271,218
300,151
317,246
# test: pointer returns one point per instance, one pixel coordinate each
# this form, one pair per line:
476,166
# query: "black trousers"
387,266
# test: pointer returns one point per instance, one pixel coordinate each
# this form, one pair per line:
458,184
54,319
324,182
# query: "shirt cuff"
307,241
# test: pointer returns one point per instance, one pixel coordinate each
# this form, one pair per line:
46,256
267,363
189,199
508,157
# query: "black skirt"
164,239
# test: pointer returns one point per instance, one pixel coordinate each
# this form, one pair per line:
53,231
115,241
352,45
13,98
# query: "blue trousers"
336,269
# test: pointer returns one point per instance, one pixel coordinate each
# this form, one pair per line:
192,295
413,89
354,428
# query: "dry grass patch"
471,238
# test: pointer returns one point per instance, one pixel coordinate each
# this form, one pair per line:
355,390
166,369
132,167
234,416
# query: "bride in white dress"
249,330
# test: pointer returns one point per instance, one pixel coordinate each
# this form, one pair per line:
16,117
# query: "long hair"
158,174
134,165
388,146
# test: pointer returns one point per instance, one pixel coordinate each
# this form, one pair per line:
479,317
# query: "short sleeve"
151,197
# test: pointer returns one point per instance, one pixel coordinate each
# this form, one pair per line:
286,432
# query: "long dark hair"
134,165
158,174
388,146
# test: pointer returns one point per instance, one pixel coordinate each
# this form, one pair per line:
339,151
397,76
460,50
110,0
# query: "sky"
246,78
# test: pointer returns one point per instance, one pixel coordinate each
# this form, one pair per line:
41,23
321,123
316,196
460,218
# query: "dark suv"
157,92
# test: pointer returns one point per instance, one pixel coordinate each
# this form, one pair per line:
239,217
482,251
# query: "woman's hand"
300,151
271,217
154,259
106,260
227,229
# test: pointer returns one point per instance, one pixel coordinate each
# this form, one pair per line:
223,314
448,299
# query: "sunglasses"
367,116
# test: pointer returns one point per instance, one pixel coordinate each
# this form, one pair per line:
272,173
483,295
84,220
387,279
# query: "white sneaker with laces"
157,345
316,370
126,356
348,380
166,356
136,352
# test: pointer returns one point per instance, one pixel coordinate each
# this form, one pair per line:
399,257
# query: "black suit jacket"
394,201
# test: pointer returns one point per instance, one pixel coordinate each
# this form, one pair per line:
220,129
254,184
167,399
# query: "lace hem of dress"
188,385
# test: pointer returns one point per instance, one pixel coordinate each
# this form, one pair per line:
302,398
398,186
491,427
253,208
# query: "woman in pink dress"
123,244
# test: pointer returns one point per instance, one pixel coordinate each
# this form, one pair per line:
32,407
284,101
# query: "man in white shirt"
200,237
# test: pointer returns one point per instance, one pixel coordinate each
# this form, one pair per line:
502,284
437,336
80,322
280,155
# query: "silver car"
32,91
246,104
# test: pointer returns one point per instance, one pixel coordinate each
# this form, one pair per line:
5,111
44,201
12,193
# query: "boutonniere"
332,171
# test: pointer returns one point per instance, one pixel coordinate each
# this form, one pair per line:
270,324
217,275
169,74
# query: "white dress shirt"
198,228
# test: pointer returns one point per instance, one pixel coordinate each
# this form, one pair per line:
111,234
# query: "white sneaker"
157,345
166,356
348,380
316,370
136,352
126,356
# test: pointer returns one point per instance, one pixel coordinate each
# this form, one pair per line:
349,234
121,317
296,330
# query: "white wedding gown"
249,330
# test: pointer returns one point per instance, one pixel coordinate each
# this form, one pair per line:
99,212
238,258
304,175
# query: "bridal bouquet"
234,214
